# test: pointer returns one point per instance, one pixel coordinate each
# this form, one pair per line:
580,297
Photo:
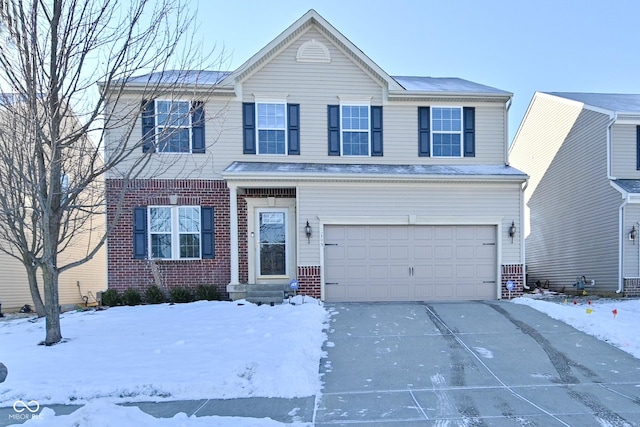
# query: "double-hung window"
446,131
355,130
271,128
174,232
173,126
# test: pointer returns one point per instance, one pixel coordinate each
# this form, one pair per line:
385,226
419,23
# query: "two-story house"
310,162
582,152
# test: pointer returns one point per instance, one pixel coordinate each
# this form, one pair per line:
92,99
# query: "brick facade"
631,287
513,272
126,272
309,280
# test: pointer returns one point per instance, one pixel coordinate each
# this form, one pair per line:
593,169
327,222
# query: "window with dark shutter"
424,131
333,124
469,114
197,128
207,233
148,125
249,127
140,233
376,131
293,137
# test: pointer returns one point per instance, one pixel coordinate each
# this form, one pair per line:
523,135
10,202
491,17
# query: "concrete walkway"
471,364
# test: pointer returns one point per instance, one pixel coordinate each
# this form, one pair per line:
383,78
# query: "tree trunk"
35,292
52,307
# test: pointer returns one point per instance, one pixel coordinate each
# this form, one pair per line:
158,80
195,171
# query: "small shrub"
131,297
110,298
207,292
181,295
154,295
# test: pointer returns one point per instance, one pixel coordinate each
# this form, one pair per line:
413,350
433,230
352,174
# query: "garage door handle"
488,244
332,283
331,244
488,281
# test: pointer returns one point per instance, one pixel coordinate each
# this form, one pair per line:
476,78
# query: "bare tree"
66,64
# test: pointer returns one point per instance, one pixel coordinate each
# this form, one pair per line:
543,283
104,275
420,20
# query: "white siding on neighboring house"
573,208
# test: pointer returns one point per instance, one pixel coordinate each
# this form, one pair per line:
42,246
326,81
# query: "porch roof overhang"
629,188
280,171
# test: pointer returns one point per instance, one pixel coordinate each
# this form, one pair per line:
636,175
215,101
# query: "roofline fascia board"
419,94
627,196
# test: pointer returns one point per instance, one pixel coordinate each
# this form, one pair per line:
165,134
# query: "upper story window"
173,126
446,123
174,232
355,130
446,132
271,129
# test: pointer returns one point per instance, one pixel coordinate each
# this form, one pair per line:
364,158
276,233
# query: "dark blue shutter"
293,116
249,127
148,125
197,127
469,118
139,233
376,130
333,124
424,131
206,214
638,147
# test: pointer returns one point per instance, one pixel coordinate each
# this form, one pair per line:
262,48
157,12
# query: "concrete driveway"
491,363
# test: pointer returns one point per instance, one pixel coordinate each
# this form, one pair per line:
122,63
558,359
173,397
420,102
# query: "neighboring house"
582,152
310,162
77,286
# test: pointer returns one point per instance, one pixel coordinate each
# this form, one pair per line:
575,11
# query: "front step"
265,293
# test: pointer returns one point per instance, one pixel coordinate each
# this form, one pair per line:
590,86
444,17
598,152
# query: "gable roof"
446,85
614,102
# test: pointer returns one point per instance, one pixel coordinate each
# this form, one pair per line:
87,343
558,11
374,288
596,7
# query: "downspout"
522,237
621,245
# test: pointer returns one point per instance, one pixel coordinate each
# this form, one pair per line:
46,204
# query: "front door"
271,255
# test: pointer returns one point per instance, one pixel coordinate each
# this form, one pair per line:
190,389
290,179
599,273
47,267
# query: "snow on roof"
445,84
193,77
620,102
628,185
372,169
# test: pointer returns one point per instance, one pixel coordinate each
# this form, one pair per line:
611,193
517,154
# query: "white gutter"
621,246
614,117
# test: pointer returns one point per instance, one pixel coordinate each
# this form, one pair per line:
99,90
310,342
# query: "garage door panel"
410,263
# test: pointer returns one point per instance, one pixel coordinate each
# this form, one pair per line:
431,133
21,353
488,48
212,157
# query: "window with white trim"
354,130
446,131
174,232
173,126
271,128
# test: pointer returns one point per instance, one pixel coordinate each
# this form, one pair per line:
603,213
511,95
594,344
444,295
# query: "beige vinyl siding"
91,276
313,86
573,208
390,203
624,152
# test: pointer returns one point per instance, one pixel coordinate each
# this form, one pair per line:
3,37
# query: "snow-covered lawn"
202,350
208,350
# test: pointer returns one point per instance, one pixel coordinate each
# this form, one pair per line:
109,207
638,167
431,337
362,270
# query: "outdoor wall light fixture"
512,230
307,232
633,234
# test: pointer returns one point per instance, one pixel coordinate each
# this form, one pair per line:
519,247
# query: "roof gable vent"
313,51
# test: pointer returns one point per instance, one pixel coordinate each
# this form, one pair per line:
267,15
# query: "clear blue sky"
521,46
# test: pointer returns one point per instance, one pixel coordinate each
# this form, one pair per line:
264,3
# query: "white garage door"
410,263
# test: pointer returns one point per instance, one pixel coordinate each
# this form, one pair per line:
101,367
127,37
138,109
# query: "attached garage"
409,262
